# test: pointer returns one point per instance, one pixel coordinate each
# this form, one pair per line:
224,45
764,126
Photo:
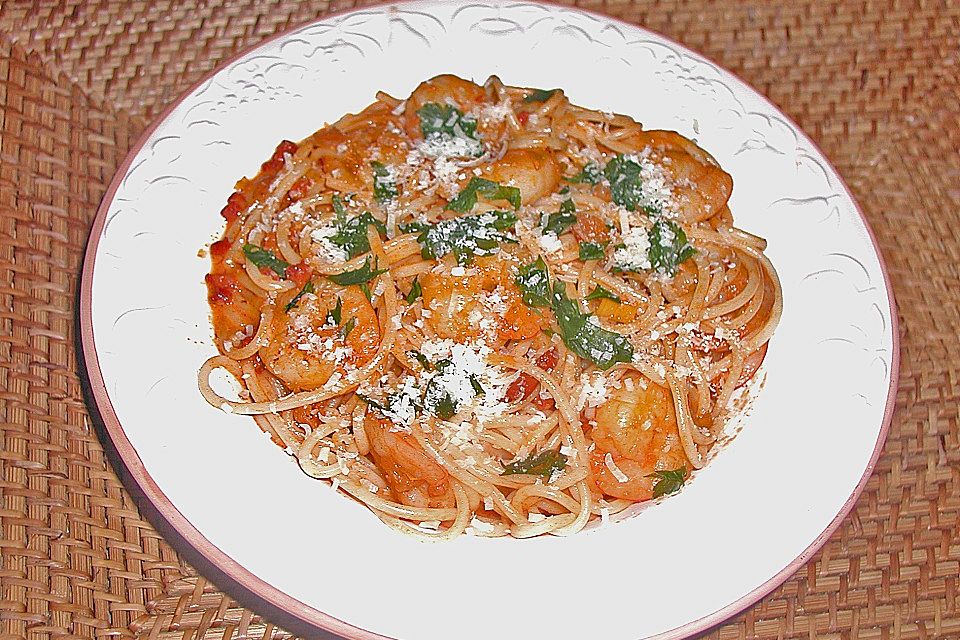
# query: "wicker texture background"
877,85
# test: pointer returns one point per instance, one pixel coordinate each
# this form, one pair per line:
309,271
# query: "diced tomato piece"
219,249
235,204
523,116
299,189
220,287
525,384
299,273
275,163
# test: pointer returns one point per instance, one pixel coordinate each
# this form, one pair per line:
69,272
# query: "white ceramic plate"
283,542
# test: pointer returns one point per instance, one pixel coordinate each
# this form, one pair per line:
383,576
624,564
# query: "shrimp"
414,478
702,186
638,429
484,301
535,172
442,89
307,346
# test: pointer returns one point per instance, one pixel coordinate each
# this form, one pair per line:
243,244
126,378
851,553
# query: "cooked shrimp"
443,89
305,349
535,172
413,477
482,302
637,427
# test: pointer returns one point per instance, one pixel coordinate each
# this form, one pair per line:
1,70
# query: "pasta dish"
485,309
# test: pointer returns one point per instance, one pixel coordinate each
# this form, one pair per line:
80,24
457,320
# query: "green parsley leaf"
351,235
534,283
558,223
422,359
307,288
362,275
384,184
467,198
475,383
264,258
540,95
590,174
668,246
668,481
365,289
626,185
336,314
413,227
415,291
373,403
543,464
466,236
599,292
591,251
445,120
338,207
588,340
348,327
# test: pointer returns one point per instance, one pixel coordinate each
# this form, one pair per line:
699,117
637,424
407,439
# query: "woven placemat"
876,84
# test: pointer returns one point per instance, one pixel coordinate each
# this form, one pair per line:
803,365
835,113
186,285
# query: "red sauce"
525,384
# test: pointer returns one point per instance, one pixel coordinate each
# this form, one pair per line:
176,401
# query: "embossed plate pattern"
237,503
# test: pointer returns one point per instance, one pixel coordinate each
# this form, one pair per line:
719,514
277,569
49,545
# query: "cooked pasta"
485,309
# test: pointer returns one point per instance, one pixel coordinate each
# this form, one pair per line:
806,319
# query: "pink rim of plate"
276,605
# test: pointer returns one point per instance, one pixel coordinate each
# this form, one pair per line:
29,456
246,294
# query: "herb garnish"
626,185
599,292
540,95
415,291
307,288
543,464
422,359
466,236
443,122
559,222
467,198
586,338
590,174
591,251
348,327
579,331
534,283
384,184
668,246
351,235
264,258
668,482
335,314
362,275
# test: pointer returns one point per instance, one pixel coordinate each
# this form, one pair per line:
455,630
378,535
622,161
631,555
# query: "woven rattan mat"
877,85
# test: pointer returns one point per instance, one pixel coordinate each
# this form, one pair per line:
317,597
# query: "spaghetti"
486,309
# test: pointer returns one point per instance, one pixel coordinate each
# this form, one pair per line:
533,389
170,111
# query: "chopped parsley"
558,223
335,315
580,333
364,274
466,236
440,123
467,198
384,184
263,258
599,292
415,291
591,251
586,338
307,288
422,359
626,185
543,464
540,95
348,327
533,281
590,174
668,246
351,235
413,227
668,482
